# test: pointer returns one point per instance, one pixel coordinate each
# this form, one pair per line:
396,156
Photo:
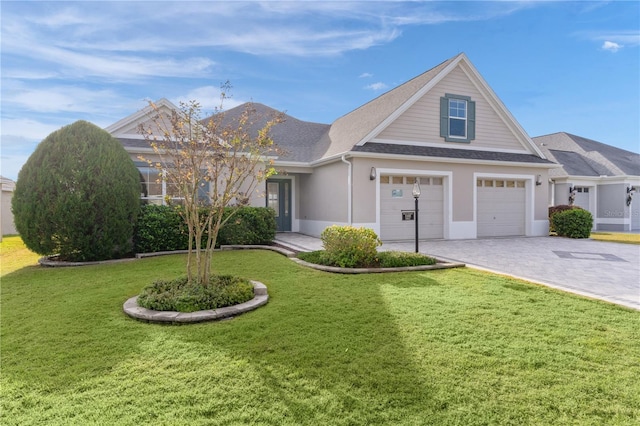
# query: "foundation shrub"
557,209
573,223
350,247
162,228
179,295
249,225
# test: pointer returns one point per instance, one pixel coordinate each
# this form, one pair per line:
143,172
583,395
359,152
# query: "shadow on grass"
325,346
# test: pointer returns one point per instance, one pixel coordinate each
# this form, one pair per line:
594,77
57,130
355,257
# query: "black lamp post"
416,195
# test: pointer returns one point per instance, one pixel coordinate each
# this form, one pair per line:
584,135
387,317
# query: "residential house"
6,215
597,177
479,173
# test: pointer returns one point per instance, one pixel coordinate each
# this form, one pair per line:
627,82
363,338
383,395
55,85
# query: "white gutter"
349,189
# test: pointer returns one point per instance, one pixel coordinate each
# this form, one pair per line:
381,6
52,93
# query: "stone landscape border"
132,309
338,270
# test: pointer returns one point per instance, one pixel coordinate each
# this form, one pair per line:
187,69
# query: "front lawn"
453,346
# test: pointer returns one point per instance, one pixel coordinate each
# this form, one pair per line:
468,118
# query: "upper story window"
457,118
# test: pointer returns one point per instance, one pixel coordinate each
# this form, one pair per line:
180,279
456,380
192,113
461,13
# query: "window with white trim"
158,189
457,118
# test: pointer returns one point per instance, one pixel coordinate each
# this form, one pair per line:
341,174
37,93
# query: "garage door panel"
430,205
501,210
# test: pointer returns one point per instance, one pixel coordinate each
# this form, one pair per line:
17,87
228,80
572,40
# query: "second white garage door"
397,203
501,207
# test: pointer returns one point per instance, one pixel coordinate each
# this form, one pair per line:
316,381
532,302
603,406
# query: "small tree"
212,164
78,195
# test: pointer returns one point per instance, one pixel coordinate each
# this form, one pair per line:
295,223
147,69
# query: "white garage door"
397,205
501,207
582,200
582,197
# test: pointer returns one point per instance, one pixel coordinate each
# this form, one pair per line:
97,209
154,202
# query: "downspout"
349,189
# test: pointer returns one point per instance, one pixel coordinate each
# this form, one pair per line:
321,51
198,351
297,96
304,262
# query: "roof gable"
127,128
370,120
355,127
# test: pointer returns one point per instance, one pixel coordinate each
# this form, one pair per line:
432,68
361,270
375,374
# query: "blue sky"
557,66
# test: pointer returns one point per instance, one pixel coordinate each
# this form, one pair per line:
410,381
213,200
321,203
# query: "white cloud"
58,99
28,130
376,86
209,99
611,46
365,75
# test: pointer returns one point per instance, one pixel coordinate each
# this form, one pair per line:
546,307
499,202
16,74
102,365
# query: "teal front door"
279,199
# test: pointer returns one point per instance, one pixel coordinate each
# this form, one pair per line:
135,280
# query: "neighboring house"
597,177
480,174
6,216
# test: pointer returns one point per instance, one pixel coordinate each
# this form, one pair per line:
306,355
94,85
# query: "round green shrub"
78,195
557,209
573,223
182,296
350,247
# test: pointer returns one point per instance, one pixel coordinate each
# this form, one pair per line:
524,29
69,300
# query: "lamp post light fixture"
416,195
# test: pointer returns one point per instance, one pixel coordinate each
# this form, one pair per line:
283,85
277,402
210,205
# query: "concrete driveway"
597,269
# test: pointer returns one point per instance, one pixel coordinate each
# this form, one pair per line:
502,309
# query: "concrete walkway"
597,269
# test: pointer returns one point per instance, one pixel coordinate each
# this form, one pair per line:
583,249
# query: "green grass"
616,237
14,255
441,347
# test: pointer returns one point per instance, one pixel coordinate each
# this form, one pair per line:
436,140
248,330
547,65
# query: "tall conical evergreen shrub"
78,195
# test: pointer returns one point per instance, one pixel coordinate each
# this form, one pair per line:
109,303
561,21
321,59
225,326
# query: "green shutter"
444,117
471,120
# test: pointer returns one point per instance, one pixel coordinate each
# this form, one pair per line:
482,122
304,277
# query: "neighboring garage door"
397,203
501,207
582,197
582,200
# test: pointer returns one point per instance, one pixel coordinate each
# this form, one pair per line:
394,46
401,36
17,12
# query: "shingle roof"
574,164
585,157
295,137
430,151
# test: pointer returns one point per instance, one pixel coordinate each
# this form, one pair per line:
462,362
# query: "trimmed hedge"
249,225
573,223
161,228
